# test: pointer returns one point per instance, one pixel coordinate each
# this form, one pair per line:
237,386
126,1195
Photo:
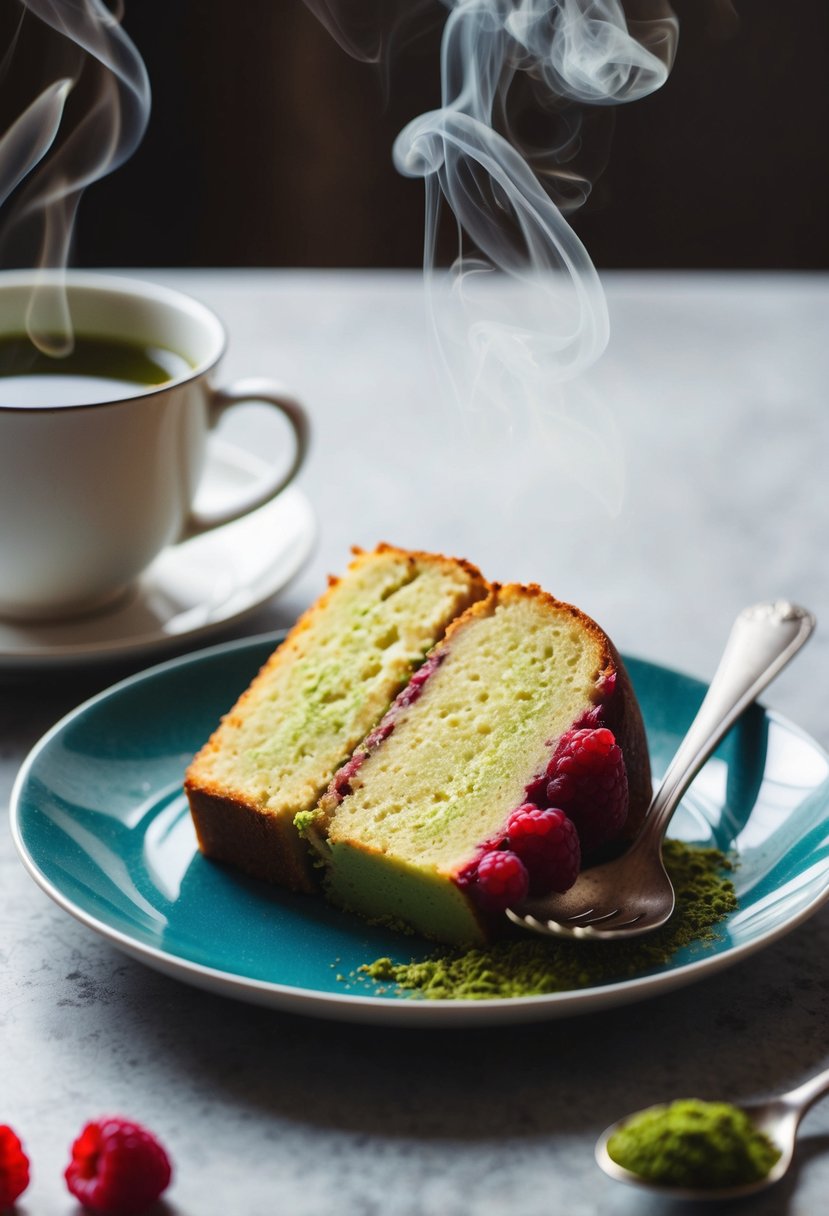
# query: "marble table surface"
694,483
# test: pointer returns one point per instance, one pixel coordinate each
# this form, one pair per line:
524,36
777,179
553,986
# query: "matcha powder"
693,1144
531,966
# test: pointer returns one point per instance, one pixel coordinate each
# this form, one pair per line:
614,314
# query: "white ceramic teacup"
91,493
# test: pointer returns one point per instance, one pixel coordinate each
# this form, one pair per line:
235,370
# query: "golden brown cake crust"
235,831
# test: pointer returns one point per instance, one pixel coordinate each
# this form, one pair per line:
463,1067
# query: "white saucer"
191,589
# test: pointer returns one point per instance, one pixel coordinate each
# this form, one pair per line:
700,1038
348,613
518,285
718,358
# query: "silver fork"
633,894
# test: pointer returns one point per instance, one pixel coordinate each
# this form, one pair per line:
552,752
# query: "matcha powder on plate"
532,966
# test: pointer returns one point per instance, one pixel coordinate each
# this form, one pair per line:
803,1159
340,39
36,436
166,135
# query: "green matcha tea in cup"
104,432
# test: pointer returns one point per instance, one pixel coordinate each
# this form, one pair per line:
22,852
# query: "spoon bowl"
778,1118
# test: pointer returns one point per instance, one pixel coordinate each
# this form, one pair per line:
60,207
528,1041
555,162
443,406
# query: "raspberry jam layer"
341,783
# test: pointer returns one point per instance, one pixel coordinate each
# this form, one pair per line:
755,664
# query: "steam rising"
510,352
367,26
515,356
55,149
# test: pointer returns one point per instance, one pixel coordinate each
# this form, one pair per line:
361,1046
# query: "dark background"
269,146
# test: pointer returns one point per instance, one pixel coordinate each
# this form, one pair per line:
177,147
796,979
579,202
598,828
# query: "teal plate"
100,821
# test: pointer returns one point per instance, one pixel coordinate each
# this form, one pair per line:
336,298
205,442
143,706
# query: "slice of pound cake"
516,752
325,687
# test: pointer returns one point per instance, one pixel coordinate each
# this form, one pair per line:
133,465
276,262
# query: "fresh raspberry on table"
548,844
588,781
14,1167
117,1167
501,879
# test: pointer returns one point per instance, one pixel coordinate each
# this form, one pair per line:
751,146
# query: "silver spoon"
633,894
779,1119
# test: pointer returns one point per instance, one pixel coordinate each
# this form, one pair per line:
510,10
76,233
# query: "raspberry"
501,879
548,844
588,781
117,1167
14,1167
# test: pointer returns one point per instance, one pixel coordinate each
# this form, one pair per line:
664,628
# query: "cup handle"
238,393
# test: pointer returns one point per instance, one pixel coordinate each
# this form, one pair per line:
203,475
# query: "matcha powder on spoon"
532,966
694,1144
